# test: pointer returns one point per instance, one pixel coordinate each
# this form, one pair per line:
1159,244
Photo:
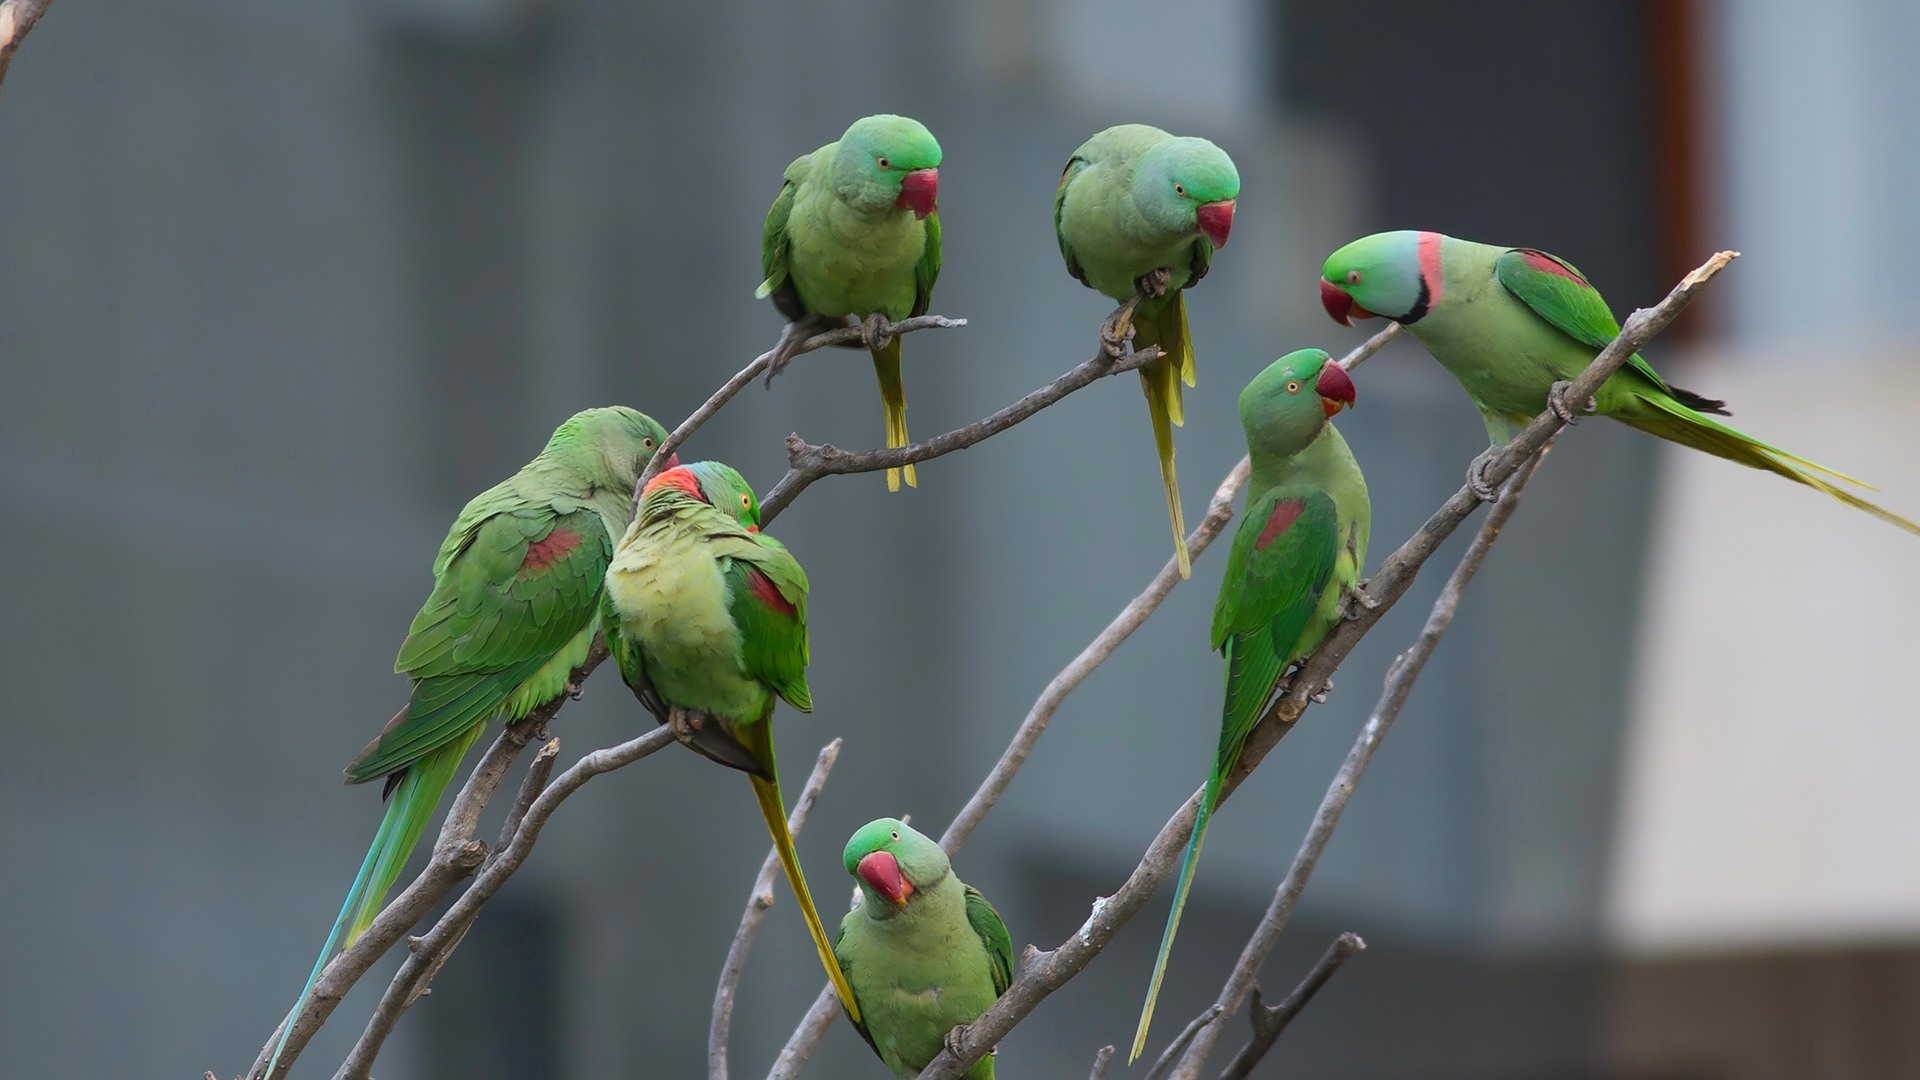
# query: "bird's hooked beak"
672,462
881,871
1335,388
1340,305
1216,220
919,192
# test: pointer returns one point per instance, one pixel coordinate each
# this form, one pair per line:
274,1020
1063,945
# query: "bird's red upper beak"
881,871
1340,305
673,462
919,192
1216,220
1335,388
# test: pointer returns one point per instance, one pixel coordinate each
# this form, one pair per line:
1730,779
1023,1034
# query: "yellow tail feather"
1677,423
774,810
893,399
1160,381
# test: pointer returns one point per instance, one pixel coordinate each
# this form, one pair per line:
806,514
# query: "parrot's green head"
1285,407
1395,275
1187,186
893,862
612,445
710,482
888,161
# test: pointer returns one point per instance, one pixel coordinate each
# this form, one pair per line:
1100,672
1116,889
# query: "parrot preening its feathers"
1296,554
855,231
1134,201
924,951
706,614
514,609
1510,323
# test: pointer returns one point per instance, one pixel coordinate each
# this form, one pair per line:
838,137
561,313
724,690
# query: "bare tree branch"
1101,1059
1393,696
739,382
758,901
1270,1020
17,17
430,949
1048,971
820,1016
1180,1041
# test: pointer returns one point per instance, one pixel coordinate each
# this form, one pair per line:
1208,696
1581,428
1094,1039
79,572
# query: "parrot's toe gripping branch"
1483,489
785,349
1153,285
1557,401
1357,600
1117,330
686,724
874,332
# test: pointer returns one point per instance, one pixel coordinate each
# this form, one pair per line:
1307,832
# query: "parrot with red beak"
855,231
1140,212
1514,325
923,950
1296,556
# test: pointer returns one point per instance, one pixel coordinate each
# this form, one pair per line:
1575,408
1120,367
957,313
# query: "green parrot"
1139,211
1514,324
705,612
1296,556
514,608
924,951
855,232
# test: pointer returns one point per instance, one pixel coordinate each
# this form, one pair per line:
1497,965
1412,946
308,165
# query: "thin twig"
758,901
1048,971
807,462
1101,1059
1270,1020
1393,696
1180,1041
16,19
733,386
429,949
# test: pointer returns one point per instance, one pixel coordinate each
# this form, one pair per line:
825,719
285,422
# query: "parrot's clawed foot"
784,349
873,331
1319,697
1118,329
1356,601
952,1040
686,724
1483,489
1153,285
1558,404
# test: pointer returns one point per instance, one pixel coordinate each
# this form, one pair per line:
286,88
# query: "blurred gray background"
282,285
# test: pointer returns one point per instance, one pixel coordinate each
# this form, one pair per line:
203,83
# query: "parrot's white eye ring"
1180,189
1353,277
882,162
1293,388
895,835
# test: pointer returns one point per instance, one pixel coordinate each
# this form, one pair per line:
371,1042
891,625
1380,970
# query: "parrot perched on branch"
1296,556
1512,324
923,951
706,617
514,608
1139,212
855,231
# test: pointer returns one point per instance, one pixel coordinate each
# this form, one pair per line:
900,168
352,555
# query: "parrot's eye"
745,500
646,443
1293,388
1180,189
895,835
1353,277
882,162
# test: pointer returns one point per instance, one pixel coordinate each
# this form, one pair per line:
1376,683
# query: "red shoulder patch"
765,591
548,550
1283,516
679,477
1547,264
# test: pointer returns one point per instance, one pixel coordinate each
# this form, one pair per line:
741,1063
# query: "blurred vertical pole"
1674,109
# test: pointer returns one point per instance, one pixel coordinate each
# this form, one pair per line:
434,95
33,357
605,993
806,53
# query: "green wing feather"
927,270
488,625
846,969
1074,165
775,243
773,637
994,938
1577,310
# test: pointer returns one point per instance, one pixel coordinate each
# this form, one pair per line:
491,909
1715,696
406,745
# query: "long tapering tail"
409,807
1675,422
1160,381
1208,800
774,810
893,399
